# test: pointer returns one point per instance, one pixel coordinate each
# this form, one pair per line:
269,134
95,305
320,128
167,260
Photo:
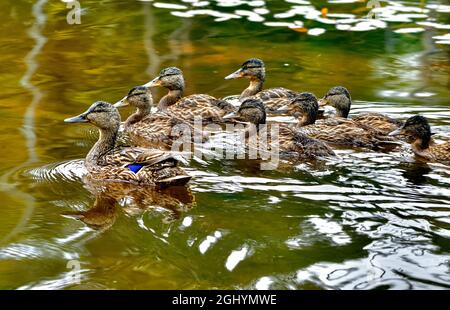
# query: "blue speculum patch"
135,167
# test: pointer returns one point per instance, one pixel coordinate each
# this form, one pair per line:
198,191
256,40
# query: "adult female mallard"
152,130
418,132
339,98
205,106
273,98
340,131
136,165
291,142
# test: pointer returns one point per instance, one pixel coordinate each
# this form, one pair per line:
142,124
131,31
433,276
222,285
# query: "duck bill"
235,75
396,132
323,102
77,119
122,103
232,115
156,82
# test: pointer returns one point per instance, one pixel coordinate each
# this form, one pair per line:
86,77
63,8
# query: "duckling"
418,132
334,130
151,130
107,162
339,98
254,70
209,108
292,142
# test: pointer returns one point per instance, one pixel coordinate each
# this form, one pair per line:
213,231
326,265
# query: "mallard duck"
136,165
339,98
273,98
292,143
152,130
205,106
418,132
333,130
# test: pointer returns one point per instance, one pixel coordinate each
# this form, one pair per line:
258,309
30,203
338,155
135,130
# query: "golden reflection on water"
347,223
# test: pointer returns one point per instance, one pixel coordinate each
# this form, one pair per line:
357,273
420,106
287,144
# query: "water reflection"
28,128
133,199
416,173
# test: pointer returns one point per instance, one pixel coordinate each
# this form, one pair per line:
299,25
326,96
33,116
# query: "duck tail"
177,180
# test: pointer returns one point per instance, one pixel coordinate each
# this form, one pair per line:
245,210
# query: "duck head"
170,78
305,107
254,70
138,97
417,131
141,99
339,98
252,110
100,114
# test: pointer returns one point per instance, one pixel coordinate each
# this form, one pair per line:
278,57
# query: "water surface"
364,220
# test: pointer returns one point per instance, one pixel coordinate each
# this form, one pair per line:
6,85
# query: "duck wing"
441,152
345,133
378,122
159,130
141,166
208,108
275,98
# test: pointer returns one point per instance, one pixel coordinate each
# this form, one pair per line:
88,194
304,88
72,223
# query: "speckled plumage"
339,98
152,130
418,133
273,98
205,106
107,162
291,141
210,109
336,130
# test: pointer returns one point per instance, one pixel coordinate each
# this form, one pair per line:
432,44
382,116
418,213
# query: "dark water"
364,220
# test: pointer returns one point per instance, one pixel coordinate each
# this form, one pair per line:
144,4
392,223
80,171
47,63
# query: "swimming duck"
333,130
209,108
107,162
254,70
418,132
152,130
292,142
339,98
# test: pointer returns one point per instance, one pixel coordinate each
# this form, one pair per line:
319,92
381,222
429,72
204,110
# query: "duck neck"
307,119
343,107
256,85
105,143
420,144
173,96
137,116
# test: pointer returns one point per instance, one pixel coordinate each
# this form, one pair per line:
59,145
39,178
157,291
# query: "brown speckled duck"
339,131
292,143
273,98
209,108
107,162
339,98
418,132
152,130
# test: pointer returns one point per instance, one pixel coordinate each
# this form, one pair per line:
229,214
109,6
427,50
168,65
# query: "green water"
364,220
